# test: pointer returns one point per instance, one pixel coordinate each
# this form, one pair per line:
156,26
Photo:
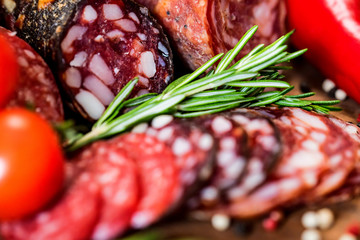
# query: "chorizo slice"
36,87
264,149
116,176
311,145
230,159
201,29
193,147
96,47
158,177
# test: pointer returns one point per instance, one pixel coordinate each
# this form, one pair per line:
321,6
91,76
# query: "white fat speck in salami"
133,16
89,14
92,106
73,77
126,24
161,121
99,67
181,146
99,89
79,59
115,34
74,33
221,125
147,64
112,12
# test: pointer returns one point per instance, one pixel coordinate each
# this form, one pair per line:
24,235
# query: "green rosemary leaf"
225,62
293,55
210,93
292,102
184,80
304,95
212,105
320,109
331,102
266,101
268,94
113,109
201,113
139,100
260,83
192,103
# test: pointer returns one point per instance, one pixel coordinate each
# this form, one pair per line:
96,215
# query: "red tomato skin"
9,70
330,29
31,163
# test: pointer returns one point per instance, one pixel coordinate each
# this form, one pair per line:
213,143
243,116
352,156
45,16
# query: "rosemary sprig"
210,90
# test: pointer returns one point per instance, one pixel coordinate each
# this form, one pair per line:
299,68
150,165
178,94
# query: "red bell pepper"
330,29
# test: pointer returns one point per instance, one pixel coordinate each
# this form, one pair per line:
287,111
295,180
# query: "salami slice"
193,147
96,47
351,187
202,29
36,88
230,159
116,176
158,176
312,144
264,146
72,216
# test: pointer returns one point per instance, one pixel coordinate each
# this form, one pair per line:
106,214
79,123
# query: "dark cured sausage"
231,156
96,47
312,144
201,29
264,146
194,149
36,88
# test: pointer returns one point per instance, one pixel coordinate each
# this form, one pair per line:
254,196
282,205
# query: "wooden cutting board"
346,213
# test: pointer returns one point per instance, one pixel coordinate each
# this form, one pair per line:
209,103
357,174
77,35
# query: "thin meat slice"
193,147
71,217
158,177
201,29
231,158
36,88
312,144
264,150
351,187
117,179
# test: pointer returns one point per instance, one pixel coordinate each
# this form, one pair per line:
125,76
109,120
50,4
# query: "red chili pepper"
330,29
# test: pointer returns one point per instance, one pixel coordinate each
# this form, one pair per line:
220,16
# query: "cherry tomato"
9,70
31,163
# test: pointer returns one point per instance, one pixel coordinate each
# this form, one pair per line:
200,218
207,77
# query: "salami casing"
95,47
36,88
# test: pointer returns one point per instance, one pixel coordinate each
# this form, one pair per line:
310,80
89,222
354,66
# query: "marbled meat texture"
159,182
95,47
317,157
231,157
264,146
201,29
193,147
36,88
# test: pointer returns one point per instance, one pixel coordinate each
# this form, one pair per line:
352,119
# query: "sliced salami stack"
95,47
243,163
